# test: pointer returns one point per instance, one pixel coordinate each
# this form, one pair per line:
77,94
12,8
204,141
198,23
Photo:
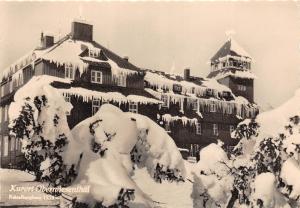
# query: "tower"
231,66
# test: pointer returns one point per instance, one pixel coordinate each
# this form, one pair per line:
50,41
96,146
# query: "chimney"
82,30
126,58
187,74
47,40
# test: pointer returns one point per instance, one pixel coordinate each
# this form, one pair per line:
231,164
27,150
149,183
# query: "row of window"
194,105
96,103
215,128
244,65
9,144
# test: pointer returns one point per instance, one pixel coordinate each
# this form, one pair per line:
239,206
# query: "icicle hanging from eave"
89,95
185,121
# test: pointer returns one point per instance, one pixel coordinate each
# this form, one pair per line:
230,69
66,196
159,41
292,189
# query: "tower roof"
230,47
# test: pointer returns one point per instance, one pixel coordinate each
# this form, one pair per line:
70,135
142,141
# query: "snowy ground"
164,194
167,195
21,180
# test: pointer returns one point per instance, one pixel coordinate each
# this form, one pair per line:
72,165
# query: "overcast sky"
159,35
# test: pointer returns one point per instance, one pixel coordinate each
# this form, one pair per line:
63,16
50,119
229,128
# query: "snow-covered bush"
101,152
40,122
263,168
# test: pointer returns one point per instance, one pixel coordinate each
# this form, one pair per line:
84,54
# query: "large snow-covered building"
87,74
195,111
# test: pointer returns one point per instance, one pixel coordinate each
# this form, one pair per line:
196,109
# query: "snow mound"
212,179
273,122
264,187
103,145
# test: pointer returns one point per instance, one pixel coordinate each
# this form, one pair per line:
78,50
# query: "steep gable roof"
230,47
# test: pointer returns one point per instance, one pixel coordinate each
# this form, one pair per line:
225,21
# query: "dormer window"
69,71
93,53
209,92
241,87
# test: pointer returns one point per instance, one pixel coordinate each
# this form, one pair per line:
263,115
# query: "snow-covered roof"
231,48
162,81
89,95
222,73
69,51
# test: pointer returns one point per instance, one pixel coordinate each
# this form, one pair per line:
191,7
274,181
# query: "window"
198,128
2,91
12,143
231,128
95,106
194,150
93,53
167,127
133,107
5,146
215,130
96,77
209,92
67,97
165,100
195,105
241,87
6,113
229,109
1,145
121,80
212,107
69,71
18,144
10,86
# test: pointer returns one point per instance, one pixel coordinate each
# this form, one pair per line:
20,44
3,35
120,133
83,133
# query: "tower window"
215,130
